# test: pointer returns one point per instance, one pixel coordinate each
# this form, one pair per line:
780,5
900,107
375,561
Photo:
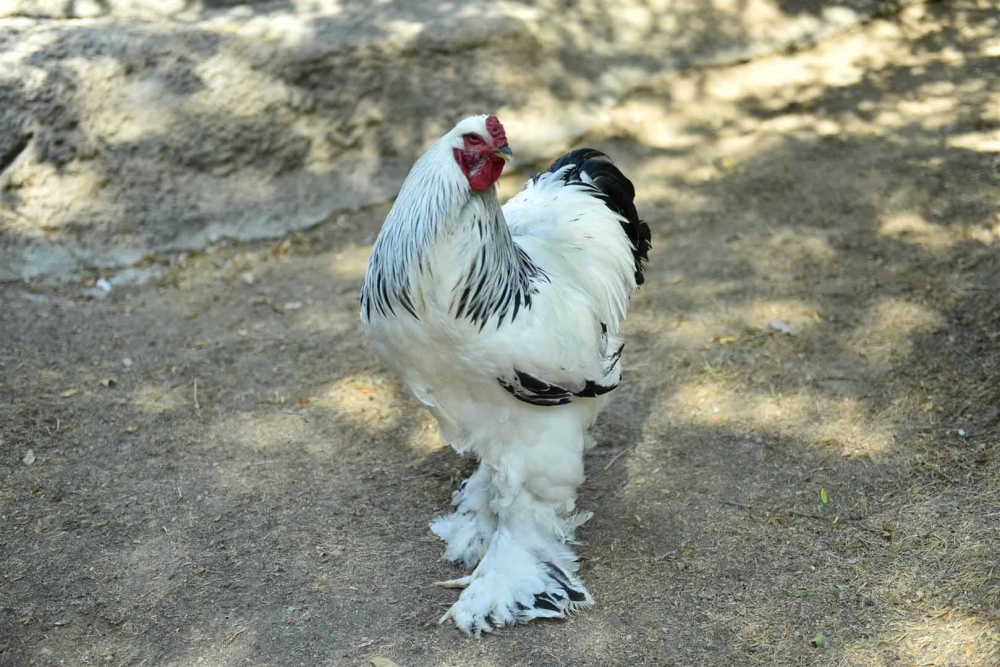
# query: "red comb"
495,129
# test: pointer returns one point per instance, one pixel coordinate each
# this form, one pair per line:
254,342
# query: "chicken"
506,324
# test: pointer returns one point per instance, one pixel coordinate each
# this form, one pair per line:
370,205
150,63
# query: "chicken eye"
474,140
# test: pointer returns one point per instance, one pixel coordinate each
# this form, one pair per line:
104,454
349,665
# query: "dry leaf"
724,340
383,662
304,400
69,392
131,429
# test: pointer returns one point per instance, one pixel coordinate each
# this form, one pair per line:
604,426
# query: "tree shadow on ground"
197,509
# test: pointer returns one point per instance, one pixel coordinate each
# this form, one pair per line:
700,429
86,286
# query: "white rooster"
506,323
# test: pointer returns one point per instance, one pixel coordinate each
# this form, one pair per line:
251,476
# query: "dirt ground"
802,468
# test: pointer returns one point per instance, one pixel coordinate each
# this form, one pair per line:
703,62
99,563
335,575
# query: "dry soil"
802,467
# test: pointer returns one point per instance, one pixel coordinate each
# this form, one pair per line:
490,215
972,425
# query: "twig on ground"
231,638
740,505
836,519
433,473
618,456
196,406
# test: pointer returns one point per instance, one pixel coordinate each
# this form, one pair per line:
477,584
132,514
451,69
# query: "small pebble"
783,327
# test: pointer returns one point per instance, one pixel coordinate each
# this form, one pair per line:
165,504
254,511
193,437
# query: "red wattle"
482,170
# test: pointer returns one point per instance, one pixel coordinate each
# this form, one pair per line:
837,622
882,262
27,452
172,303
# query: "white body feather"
531,455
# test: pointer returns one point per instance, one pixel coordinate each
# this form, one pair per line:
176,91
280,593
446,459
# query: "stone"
131,127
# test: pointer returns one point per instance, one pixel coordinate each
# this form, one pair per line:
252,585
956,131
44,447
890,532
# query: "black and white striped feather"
570,243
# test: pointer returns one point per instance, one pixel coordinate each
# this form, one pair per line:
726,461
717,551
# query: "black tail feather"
617,192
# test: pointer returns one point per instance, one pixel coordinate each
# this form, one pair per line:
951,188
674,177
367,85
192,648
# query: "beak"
504,154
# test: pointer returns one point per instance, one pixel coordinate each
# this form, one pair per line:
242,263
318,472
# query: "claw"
461,582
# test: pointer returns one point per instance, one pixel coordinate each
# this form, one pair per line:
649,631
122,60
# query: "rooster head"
480,148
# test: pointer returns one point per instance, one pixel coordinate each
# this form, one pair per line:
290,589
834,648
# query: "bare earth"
221,473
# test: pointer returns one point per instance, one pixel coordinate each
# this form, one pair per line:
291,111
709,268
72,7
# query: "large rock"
139,126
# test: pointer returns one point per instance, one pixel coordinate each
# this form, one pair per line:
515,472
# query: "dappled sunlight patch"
800,244
650,122
885,334
548,125
158,399
364,399
661,178
754,317
263,431
677,332
219,95
935,108
285,29
951,638
940,637
326,320
806,415
226,641
911,227
798,315
350,262
149,105
794,124
24,47
80,191
723,321
809,94
714,100
424,437
982,142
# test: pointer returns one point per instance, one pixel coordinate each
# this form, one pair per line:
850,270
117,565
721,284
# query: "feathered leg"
528,570
468,530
